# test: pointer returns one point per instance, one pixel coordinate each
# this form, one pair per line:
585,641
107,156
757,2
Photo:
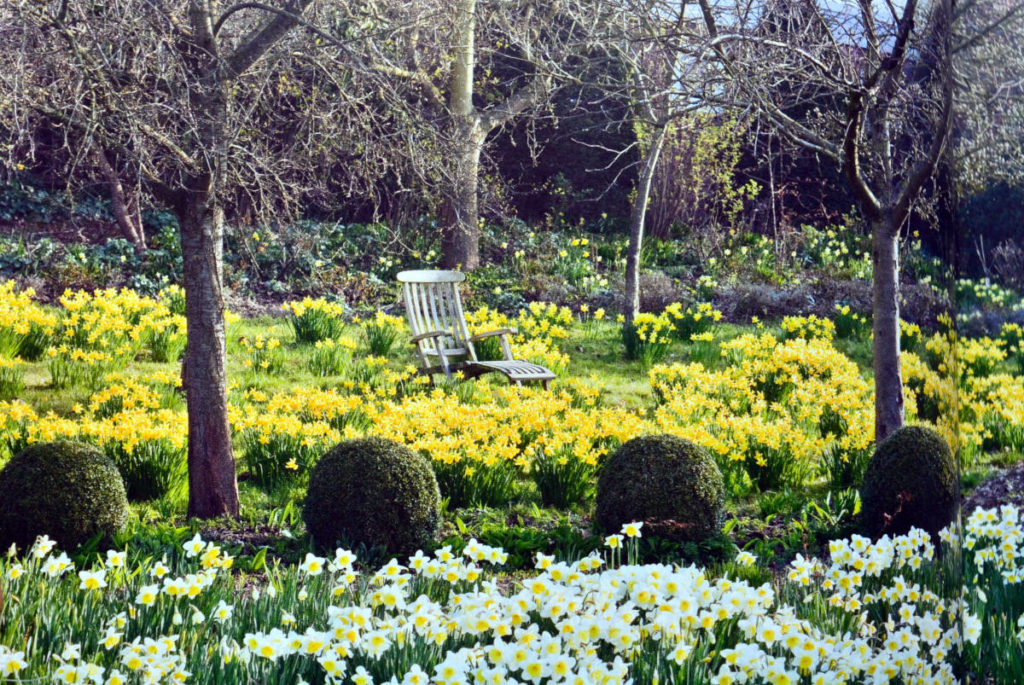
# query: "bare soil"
1005,487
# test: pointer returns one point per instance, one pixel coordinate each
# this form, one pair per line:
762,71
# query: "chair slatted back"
432,303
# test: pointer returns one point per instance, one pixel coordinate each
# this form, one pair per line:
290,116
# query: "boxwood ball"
911,481
68,490
662,478
374,492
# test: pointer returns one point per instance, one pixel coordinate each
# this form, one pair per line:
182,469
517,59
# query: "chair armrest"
427,336
491,334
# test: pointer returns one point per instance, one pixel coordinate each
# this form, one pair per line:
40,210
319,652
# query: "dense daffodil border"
870,615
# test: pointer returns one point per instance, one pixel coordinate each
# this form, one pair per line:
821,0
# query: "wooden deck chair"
438,324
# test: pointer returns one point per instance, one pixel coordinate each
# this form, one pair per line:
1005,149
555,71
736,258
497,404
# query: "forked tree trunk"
213,488
636,225
886,329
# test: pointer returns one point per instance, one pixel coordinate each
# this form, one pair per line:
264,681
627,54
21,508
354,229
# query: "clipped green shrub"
911,481
67,490
664,480
372,492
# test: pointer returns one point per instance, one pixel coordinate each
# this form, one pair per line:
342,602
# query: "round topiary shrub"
911,481
662,479
67,490
373,492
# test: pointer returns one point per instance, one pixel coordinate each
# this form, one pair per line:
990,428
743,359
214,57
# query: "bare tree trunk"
213,489
636,225
461,237
126,212
886,328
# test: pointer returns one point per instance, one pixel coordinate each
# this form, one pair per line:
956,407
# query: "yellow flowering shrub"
648,337
979,356
544,320
849,323
382,331
332,356
807,327
911,336
12,378
773,411
25,327
262,354
536,339
694,320
91,334
146,441
314,320
974,407
480,449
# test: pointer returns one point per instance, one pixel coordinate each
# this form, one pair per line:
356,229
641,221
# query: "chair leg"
547,384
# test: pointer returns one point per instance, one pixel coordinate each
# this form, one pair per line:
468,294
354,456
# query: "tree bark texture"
213,489
885,325
461,238
636,224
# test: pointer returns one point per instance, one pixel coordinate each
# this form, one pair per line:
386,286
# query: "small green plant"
10,342
173,297
562,478
467,482
692,321
647,338
279,456
331,357
911,337
263,355
591,320
844,468
779,502
35,343
835,515
314,320
704,350
573,262
382,333
71,367
849,324
150,469
770,466
12,378
1012,335
366,373
166,340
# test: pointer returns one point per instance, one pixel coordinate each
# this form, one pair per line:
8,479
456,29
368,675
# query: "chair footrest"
516,370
